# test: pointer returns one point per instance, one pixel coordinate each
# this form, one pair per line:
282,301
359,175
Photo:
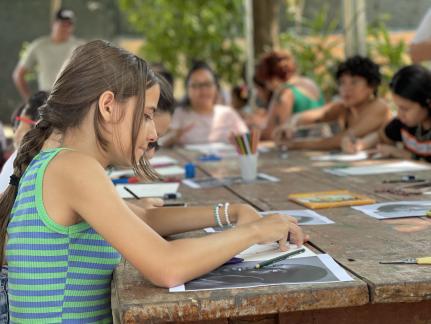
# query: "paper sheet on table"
226,181
162,160
304,270
221,149
114,174
341,157
147,189
401,166
304,216
396,209
170,170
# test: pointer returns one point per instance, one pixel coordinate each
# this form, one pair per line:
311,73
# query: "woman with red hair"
293,93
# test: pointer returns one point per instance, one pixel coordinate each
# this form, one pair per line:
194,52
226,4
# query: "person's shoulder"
73,166
40,42
76,41
380,105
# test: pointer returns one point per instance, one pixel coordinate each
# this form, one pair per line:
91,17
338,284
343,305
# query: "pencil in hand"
279,258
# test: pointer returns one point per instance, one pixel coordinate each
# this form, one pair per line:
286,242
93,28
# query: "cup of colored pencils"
246,146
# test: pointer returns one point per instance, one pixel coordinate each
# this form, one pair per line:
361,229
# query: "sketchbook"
396,209
329,199
302,270
401,166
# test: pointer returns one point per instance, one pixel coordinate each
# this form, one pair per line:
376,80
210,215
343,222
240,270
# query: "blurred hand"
283,134
350,146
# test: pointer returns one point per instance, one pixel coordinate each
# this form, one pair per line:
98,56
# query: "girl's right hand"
276,228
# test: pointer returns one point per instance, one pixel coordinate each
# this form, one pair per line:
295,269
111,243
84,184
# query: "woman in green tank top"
292,93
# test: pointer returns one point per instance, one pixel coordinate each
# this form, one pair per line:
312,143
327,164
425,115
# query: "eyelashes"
154,145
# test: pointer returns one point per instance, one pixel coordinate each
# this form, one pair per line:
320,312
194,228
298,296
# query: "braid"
31,144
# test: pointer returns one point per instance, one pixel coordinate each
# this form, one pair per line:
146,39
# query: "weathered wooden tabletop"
355,241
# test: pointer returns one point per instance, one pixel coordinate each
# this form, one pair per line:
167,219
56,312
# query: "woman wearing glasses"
200,119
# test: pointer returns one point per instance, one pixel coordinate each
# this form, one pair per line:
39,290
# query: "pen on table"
279,258
131,192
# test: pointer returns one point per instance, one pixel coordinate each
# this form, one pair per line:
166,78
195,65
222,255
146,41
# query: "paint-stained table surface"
379,294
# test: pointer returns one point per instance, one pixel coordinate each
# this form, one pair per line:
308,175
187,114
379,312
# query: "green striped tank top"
57,274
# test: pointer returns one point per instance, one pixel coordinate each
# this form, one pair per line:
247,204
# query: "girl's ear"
106,106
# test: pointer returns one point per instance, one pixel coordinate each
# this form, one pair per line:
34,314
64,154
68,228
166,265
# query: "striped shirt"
57,274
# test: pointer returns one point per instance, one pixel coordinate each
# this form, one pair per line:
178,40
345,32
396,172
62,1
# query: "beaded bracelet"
226,214
217,215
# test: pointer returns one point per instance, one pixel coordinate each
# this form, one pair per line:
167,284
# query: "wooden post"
355,27
249,51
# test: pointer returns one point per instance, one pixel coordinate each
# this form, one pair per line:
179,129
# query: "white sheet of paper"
170,170
121,173
222,149
396,209
341,157
303,216
147,189
401,166
162,160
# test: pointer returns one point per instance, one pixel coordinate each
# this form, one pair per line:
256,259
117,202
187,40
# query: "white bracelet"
226,214
217,215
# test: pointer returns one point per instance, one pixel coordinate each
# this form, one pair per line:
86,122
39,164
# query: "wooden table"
379,294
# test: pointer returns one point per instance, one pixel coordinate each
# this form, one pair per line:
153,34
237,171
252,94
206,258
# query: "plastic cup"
248,167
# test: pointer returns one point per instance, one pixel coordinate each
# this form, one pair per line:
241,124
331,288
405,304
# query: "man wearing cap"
47,54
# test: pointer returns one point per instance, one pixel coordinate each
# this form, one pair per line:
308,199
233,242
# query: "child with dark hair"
411,93
357,113
64,227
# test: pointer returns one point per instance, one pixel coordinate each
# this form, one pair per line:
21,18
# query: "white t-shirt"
208,128
6,172
423,32
49,58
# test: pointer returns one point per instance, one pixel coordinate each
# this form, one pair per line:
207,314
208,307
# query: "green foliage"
177,32
389,54
314,49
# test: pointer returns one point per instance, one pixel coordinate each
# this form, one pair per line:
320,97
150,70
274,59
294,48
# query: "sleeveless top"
301,101
57,274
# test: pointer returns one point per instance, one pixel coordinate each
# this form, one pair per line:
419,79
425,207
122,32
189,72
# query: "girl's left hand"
247,214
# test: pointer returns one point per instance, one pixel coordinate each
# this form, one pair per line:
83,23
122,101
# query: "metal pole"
249,51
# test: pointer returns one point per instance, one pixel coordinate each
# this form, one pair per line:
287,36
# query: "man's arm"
21,84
